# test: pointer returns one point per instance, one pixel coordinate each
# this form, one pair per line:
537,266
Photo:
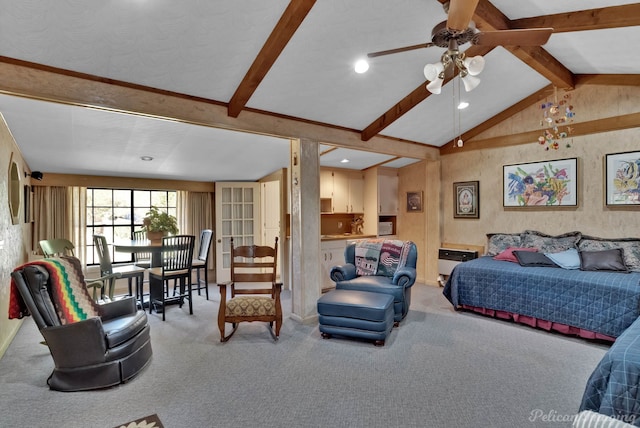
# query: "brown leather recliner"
98,352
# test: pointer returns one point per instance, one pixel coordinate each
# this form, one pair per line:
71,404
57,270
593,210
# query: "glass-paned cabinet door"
237,215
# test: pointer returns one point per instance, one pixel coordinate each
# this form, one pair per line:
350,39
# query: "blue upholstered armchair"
373,265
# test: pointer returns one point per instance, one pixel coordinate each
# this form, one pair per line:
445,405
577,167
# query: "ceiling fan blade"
460,14
396,50
524,37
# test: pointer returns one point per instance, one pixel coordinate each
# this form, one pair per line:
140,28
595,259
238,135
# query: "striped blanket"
67,288
380,256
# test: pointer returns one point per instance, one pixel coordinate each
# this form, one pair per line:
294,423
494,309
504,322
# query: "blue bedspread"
602,302
613,388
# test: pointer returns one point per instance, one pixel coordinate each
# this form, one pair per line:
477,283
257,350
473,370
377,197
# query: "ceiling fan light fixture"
470,82
474,65
432,71
435,86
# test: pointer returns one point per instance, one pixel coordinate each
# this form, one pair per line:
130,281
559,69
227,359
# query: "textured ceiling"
204,49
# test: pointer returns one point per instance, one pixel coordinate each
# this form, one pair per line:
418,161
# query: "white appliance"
385,228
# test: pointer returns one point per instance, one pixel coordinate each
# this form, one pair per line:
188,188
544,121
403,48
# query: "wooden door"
270,207
237,216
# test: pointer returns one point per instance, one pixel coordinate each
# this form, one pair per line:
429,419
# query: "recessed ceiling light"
345,160
463,105
361,66
146,158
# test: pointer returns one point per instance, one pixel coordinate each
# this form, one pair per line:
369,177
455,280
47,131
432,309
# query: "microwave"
385,228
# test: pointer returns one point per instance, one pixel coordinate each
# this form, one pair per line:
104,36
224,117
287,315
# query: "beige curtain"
77,220
195,212
60,212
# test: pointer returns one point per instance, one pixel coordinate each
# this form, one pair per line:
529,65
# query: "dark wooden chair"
251,266
129,271
201,262
141,259
177,257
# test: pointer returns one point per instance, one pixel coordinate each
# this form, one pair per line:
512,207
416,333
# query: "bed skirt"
542,324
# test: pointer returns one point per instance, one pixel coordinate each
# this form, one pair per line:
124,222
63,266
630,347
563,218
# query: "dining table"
143,246
140,246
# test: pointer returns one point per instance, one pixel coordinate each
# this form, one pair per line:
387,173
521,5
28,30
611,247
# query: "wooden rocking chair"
251,265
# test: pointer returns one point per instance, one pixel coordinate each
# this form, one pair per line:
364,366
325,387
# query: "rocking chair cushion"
249,306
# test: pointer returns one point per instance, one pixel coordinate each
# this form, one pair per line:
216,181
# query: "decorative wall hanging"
14,191
548,183
556,117
622,178
466,199
414,202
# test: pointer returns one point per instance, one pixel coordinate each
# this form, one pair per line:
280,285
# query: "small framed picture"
622,178
466,199
414,202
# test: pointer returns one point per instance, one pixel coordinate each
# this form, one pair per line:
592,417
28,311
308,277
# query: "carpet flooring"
440,368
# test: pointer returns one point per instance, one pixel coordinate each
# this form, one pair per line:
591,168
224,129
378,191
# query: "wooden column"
305,235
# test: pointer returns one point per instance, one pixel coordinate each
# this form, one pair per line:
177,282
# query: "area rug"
151,421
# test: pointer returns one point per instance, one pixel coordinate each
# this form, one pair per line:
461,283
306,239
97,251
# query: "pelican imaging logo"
554,417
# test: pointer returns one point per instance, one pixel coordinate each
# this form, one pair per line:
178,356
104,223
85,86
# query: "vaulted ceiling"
290,60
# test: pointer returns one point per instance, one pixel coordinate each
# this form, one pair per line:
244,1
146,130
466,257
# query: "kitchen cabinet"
345,188
331,254
326,183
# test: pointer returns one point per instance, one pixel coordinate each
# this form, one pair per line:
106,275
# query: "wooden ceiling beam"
489,18
284,30
608,124
608,79
545,64
593,19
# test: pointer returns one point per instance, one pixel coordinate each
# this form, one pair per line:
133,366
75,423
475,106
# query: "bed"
613,389
591,304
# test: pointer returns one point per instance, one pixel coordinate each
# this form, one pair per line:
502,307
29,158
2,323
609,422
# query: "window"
116,213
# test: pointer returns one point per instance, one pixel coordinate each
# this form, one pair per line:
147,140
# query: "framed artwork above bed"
622,179
552,183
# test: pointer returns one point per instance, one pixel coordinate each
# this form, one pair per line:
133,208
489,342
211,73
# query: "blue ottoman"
359,314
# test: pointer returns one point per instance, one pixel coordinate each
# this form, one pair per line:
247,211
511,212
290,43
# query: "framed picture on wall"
622,179
414,202
466,199
551,183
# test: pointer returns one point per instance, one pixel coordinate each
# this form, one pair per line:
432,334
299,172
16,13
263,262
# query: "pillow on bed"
630,246
508,256
498,242
605,260
568,259
533,259
548,243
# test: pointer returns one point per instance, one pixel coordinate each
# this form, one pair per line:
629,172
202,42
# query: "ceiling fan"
457,30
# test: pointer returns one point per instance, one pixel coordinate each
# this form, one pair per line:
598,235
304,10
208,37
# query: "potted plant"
158,224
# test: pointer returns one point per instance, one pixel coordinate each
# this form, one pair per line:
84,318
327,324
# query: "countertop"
344,236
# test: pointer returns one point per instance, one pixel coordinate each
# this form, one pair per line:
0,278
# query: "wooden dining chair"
201,263
129,271
251,266
177,257
139,258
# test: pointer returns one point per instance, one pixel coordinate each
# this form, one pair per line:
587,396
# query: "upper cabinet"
345,188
